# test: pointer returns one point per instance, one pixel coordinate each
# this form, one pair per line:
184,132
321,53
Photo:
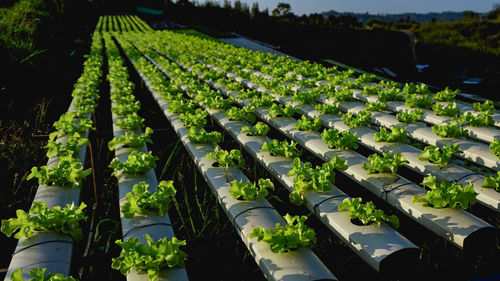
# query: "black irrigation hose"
315,207
41,243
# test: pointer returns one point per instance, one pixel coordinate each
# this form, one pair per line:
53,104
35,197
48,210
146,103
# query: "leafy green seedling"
278,110
69,124
324,108
308,124
367,213
149,258
410,117
196,119
446,95
259,129
202,136
131,122
306,97
386,164
227,159
441,156
319,179
352,121
218,102
390,94
451,129
397,134
285,238
38,274
126,108
371,90
40,218
131,139
143,202
137,163
250,191
421,89
481,120
181,106
366,78
491,182
376,106
450,109
342,94
67,171
419,101
495,147
283,148
264,100
447,194
345,140
241,114
70,149
487,106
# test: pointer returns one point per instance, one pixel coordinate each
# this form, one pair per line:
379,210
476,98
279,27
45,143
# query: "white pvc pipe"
295,265
155,226
486,196
48,249
486,134
372,243
441,221
475,152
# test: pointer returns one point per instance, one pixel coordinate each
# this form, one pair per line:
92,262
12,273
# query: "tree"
470,15
283,9
254,12
237,5
495,13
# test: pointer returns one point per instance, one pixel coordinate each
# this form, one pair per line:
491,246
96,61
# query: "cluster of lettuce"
307,76
154,255
64,149
387,91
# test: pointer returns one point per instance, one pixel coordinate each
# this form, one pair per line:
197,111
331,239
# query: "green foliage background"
473,32
23,23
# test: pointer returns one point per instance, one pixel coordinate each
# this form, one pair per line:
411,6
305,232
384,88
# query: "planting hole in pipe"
357,221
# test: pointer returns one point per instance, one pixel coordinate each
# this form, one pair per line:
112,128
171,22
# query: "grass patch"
21,26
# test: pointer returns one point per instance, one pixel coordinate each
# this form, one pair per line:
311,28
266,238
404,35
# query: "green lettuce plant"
447,194
386,164
40,218
345,140
137,163
367,213
38,274
150,257
144,202
283,148
285,238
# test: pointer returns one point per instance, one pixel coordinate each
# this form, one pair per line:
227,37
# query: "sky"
300,7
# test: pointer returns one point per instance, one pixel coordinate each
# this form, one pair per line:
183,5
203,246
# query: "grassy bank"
42,43
22,26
